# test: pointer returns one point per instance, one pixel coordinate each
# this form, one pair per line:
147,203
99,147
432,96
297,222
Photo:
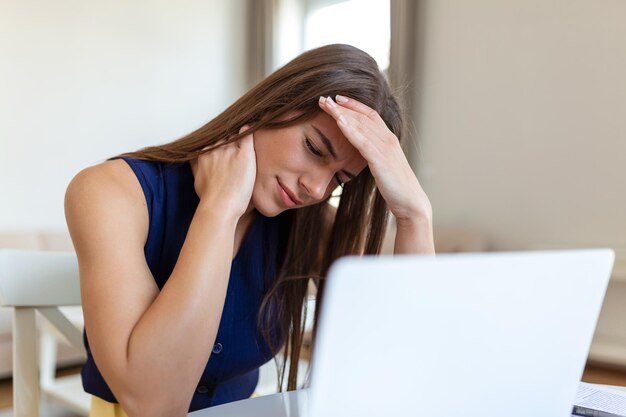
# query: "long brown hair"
314,239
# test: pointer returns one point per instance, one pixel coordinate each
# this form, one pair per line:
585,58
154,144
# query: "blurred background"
517,109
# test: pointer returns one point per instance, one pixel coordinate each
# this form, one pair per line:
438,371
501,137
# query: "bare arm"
137,333
414,236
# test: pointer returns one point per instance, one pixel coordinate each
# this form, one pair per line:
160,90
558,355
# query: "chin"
265,207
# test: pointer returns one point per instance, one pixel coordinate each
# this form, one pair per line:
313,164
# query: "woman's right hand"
224,177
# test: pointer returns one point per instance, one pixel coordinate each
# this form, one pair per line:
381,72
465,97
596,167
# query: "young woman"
195,256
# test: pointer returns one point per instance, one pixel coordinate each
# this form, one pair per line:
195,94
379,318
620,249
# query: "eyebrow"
331,150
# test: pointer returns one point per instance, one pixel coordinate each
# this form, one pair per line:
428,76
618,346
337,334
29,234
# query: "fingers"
352,111
329,106
365,130
357,106
336,112
245,140
360,135
355,126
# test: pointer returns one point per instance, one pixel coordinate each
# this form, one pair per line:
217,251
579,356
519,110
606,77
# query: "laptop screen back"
500,334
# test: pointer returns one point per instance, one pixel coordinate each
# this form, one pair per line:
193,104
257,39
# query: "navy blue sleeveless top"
231,372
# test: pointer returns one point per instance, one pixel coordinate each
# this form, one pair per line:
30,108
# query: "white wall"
522,119
84,80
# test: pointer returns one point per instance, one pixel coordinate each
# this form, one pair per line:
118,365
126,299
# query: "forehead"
323,125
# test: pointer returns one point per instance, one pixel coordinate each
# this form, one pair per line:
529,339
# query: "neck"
250,210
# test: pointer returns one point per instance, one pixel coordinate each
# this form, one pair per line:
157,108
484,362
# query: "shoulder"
115,172
106,193
111,182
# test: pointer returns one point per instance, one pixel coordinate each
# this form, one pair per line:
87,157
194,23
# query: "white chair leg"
25,379
47,355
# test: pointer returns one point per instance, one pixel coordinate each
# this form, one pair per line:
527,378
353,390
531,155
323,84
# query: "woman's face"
301,165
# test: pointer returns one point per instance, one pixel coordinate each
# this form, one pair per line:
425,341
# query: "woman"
202,249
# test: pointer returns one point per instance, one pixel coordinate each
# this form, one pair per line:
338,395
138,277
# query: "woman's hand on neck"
224,178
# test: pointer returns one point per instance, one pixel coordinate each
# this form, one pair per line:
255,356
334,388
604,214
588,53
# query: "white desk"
288,404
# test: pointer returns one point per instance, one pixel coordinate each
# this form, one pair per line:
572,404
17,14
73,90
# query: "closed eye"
312,148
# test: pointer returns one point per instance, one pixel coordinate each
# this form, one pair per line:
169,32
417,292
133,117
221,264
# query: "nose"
315,183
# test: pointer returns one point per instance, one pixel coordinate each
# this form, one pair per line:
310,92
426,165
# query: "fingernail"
330,102
341,99
322,99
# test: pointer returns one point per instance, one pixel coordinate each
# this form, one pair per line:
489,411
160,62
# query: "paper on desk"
601,398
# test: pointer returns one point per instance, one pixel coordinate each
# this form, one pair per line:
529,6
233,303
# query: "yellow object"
101,408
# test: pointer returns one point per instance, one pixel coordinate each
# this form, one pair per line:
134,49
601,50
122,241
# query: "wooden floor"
595,374
6,390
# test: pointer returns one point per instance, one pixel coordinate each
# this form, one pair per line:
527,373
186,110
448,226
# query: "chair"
40,281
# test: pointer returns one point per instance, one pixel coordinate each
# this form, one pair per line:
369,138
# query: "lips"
288,196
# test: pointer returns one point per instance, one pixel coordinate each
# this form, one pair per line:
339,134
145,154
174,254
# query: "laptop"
489,335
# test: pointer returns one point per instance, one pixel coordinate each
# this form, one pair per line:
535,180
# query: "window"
301,25
361,23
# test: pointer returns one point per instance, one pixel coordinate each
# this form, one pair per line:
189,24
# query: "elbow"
155,405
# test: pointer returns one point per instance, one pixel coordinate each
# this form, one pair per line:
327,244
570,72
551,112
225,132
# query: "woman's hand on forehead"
380,147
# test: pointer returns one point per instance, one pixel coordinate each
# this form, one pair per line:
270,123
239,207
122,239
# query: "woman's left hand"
368,133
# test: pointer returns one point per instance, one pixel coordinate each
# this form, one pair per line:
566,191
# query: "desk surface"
287,404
